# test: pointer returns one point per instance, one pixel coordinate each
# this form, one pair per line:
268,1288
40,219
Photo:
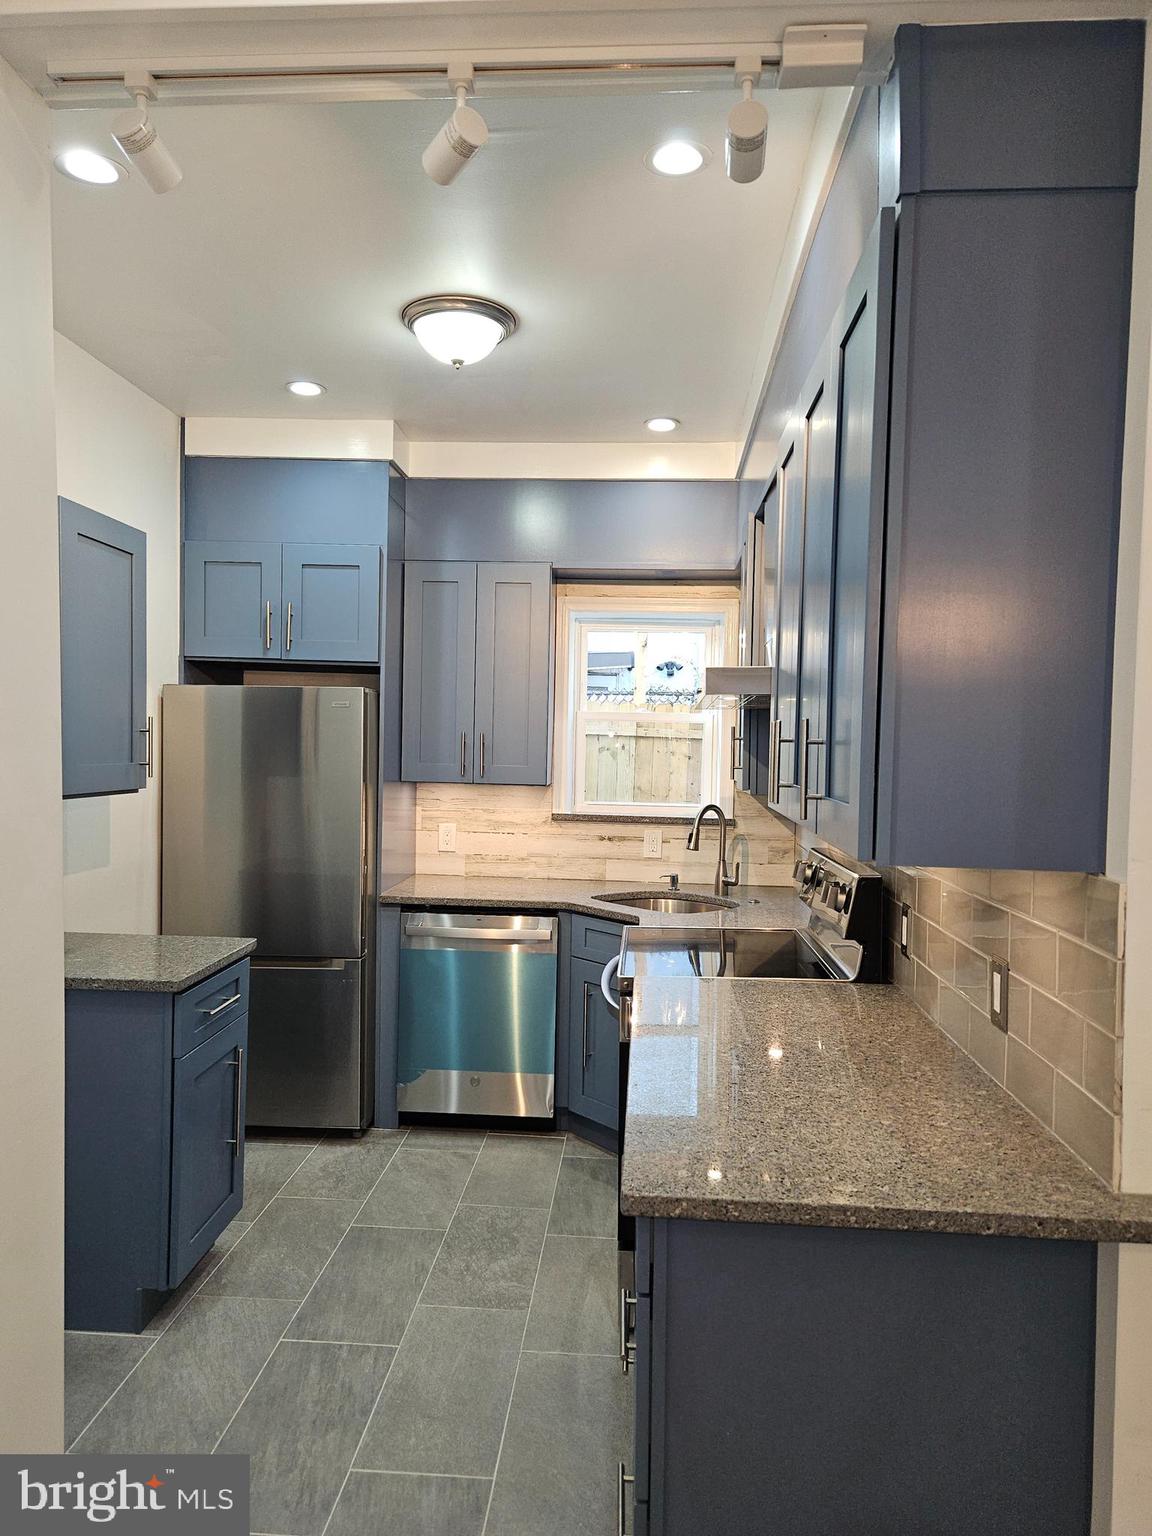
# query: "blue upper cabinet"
477,672
103,653
331,597
232,599
282,558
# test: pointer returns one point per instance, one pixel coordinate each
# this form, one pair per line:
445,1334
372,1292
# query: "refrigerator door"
309,1062
266,816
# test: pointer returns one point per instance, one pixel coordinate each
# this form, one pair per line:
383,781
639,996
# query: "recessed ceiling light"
678,157
661,423
454,328
86,165
304,387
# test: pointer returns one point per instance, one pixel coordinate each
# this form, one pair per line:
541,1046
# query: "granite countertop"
764,906
145,962
836,1105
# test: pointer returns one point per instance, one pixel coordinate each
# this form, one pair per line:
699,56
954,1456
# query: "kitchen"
467,787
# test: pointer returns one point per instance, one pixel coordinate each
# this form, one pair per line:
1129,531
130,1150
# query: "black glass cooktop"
745,953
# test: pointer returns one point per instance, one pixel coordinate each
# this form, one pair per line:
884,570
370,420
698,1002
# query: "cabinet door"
331,595
439,671
513,674
103,653
861,359
232,599
594,1047
788,488
207,1145
818,414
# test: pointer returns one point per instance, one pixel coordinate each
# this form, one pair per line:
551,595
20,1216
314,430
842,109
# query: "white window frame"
647,609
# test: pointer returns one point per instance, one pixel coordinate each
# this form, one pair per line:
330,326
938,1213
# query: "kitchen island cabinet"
156,1030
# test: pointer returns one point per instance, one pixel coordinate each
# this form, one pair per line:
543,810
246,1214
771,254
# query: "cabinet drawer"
208,1007
594,939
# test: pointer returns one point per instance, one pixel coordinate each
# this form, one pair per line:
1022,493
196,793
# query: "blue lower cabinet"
154,1147
593,1047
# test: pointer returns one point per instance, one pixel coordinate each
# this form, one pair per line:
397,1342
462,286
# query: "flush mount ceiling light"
304,387
661,423
136,135
678,157
86,165
457,329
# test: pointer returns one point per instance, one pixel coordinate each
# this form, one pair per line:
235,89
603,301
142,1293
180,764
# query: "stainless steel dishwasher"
477,1027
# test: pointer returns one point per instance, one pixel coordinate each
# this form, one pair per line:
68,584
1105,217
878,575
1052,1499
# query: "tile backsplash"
507,830
1062,935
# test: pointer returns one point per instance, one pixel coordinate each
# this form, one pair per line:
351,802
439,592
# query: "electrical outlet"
446,841
998,993
653,842
905,928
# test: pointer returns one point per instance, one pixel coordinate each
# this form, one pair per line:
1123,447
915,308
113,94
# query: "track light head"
747,136
461,136
136,135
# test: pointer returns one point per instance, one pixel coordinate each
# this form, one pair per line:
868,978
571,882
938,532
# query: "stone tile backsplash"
1062,935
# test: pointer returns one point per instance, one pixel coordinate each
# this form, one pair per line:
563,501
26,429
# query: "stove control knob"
843,895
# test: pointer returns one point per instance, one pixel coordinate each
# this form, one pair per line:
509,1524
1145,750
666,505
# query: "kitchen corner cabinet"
831,1379
103,653
588,1031
266,601
477,672
154,1141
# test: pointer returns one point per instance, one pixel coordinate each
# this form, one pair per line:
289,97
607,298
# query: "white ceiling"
300,231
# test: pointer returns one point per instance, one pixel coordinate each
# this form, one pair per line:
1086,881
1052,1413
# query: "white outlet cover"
653,842
446,841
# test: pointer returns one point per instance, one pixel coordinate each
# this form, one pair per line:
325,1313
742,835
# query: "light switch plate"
653,842
446,840
998,993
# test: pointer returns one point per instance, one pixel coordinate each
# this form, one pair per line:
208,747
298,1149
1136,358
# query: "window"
632,738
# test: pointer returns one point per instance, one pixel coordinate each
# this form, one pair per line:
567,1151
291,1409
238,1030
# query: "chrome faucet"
723,881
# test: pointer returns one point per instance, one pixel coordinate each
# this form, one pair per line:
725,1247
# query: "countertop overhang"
146,962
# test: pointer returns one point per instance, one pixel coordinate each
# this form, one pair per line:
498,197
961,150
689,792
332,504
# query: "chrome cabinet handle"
737,766
774,761
238,1121
606,976
624,1479
146,732
229,1002
463,754
268,625
480,760
288,638
584,1052
806,740
627,1337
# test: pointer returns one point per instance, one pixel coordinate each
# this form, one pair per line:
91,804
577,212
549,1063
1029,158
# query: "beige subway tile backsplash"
1062,934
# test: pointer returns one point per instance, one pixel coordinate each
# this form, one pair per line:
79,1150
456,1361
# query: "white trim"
298,437
633,605
573,461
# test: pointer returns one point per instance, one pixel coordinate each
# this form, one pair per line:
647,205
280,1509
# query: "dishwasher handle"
541,936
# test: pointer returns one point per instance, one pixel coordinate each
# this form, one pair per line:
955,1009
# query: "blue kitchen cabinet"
477,672
232,599
331,597
264,601
155,1087
103,653
588,1045
786,496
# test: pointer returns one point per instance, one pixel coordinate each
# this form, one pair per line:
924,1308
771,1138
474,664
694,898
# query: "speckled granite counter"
764,906
826,1104
145,962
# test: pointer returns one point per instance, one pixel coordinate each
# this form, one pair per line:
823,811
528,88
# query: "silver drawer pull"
624,1480
229,1002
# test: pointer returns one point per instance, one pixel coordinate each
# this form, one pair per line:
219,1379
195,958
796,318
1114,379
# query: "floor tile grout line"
304,1298
461,1477
407,1326
523,1336
192,1295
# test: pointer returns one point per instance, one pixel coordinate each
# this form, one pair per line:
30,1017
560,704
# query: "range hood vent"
739,686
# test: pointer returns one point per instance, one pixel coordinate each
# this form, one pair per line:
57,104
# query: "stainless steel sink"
658,902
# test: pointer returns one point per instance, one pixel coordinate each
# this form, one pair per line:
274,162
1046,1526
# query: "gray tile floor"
414,1334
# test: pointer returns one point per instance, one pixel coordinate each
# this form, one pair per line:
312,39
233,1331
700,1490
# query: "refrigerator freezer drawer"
309,1060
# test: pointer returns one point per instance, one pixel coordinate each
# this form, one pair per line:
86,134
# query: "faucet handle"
728,880
673,881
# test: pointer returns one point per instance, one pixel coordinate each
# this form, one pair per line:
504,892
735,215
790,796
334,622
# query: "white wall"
31,949
119,452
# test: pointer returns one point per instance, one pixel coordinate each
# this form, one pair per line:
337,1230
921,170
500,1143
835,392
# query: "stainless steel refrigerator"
269,832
